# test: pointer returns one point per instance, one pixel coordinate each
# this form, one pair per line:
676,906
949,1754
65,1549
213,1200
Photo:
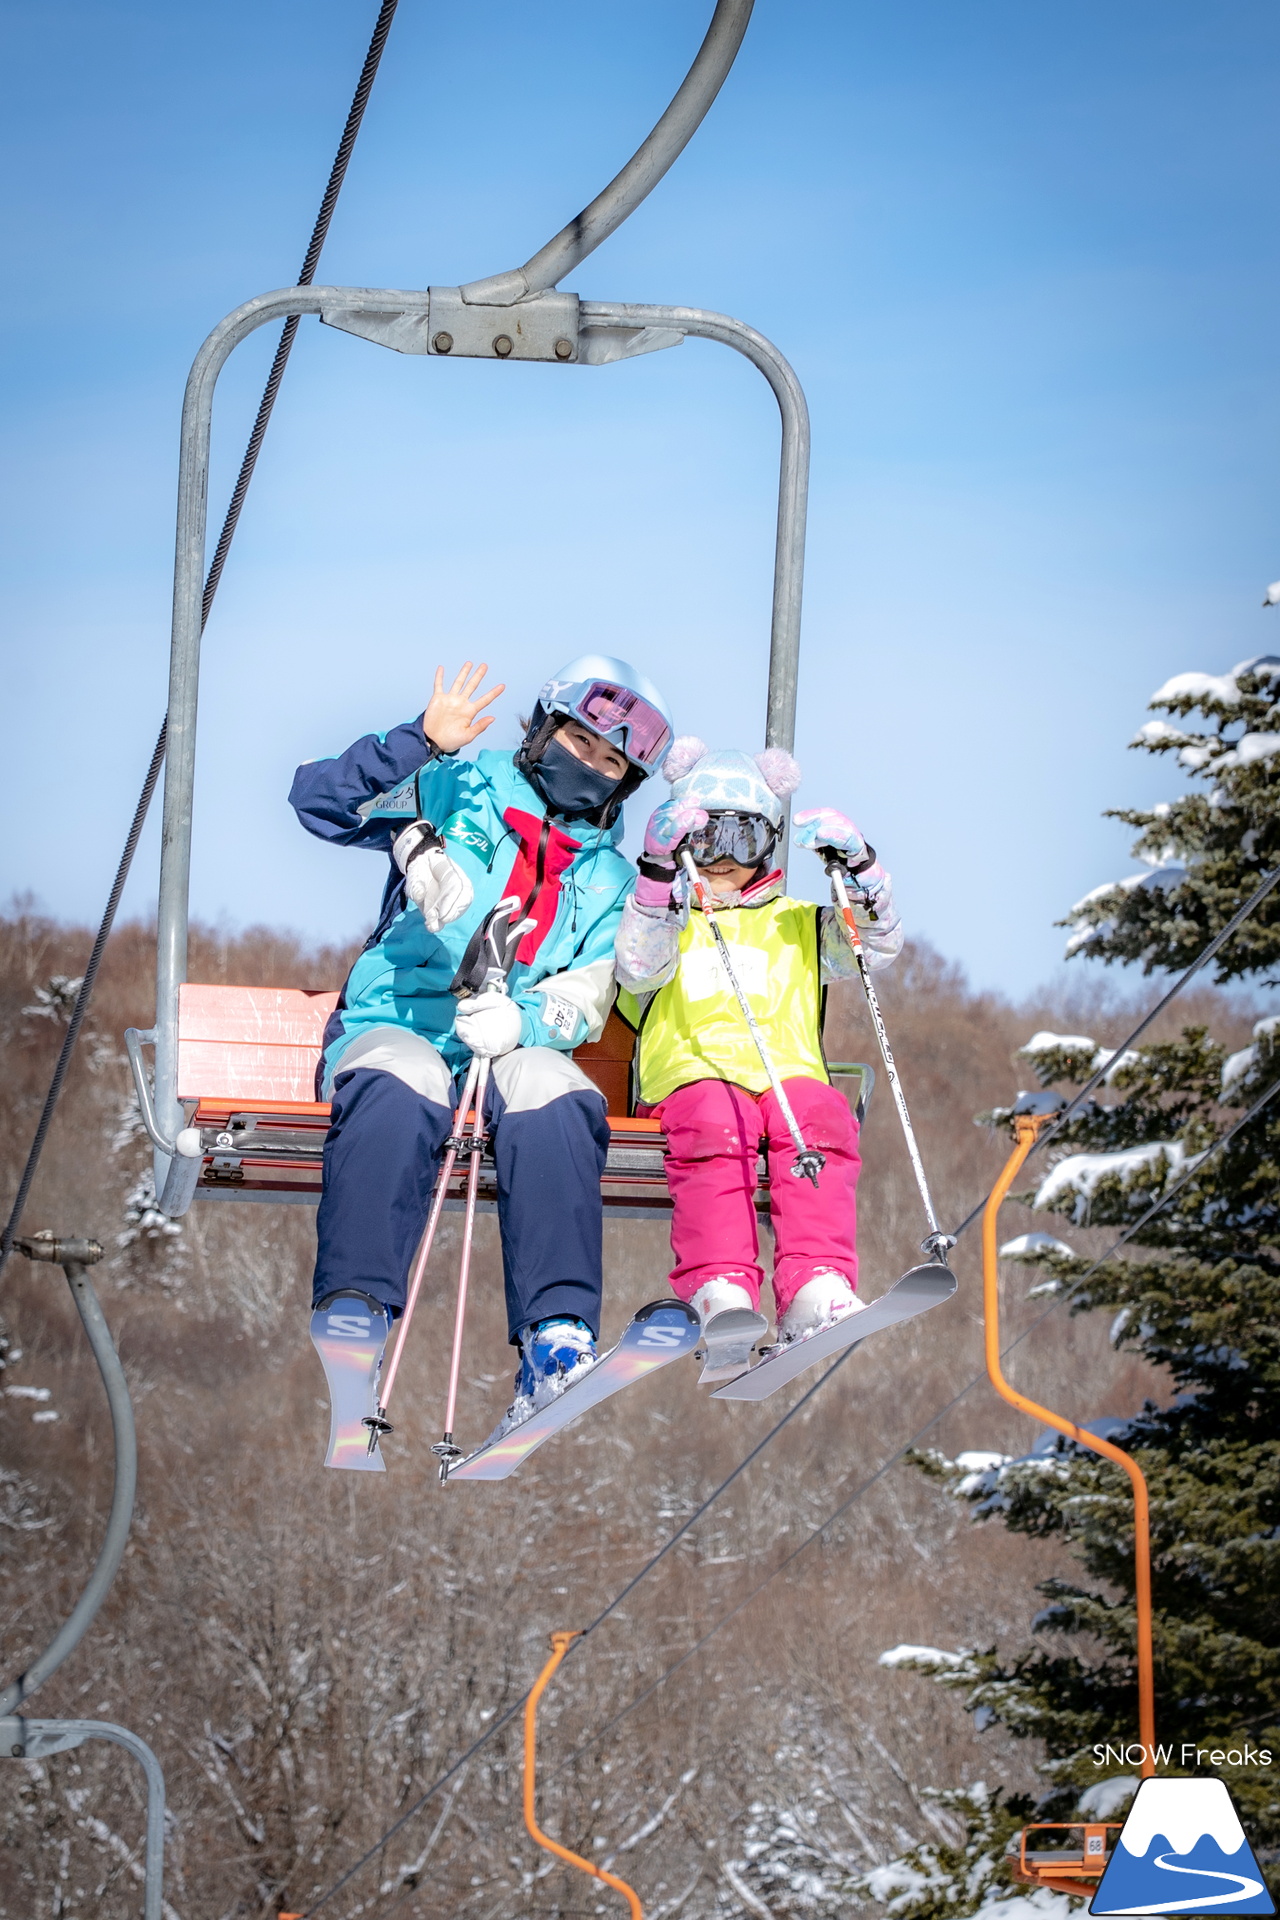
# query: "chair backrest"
263,1044
250,1043
607,1061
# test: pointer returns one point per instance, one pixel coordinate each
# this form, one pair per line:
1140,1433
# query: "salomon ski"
917,1291
349,1332
661,1332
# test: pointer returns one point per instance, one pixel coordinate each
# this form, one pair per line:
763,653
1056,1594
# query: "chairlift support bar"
75,1257
638,178
24,1739
560,1644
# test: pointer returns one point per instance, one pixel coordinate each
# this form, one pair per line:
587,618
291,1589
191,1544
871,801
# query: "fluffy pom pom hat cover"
730,781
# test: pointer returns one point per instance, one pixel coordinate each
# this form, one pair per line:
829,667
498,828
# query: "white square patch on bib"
702,972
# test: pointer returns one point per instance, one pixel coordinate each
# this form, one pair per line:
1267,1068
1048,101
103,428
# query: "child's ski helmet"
742,793
732,782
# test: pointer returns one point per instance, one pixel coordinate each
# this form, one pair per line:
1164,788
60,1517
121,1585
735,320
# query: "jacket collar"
758,894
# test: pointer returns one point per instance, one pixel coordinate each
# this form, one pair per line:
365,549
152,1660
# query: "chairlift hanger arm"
638,178
403,320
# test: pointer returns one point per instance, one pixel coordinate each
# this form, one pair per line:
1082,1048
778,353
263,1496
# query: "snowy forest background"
306,1651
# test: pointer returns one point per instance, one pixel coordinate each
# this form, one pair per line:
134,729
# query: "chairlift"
233,1114
1066,1856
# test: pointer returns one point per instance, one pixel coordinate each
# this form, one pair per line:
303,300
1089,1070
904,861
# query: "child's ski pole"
445,1449
377,1423
808,1163
937,1242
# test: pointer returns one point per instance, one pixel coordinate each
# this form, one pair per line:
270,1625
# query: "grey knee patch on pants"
532,1077
406,1055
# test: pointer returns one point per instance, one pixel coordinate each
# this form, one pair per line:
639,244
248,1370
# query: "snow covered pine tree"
1204,1302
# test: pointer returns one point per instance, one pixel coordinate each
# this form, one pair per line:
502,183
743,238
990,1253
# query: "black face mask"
568,785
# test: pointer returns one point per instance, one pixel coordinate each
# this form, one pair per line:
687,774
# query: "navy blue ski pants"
392,1112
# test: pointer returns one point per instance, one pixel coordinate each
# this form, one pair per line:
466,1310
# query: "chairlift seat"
1066,1856
247,1059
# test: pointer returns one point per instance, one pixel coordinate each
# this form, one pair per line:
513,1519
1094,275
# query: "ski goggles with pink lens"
623,717
747,838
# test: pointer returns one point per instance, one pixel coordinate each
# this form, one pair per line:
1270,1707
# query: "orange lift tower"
1071,1865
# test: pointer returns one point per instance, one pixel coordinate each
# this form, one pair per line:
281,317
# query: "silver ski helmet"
615,702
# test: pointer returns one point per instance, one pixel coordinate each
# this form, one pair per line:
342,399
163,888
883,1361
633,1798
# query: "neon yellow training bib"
693,1028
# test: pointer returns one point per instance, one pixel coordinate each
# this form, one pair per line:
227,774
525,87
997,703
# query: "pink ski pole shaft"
423,1255
445,1448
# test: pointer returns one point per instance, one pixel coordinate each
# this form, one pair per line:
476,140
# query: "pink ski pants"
714,1131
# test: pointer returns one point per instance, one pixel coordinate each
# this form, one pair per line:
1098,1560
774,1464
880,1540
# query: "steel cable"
739,1606
1219,940
337,174
505,1719
907,1446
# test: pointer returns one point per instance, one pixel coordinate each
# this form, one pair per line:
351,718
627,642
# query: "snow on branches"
1203,851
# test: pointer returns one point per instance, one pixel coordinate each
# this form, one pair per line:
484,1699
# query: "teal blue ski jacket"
571,879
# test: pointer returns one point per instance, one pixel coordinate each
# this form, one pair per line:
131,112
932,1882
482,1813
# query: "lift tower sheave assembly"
518,315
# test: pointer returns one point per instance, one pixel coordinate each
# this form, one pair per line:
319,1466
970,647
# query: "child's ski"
917,1291
660,1332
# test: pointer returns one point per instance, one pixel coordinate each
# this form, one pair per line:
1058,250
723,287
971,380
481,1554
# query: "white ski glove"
434,882
488,1024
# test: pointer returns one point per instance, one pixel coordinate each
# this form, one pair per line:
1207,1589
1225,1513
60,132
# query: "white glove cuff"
413,840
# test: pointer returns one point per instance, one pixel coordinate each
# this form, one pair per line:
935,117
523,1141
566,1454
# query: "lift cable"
1064,1299
612,1607
739,1606
850,1500
1219,940
312,260
866,1485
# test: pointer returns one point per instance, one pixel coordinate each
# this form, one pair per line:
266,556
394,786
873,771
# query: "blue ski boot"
554,1354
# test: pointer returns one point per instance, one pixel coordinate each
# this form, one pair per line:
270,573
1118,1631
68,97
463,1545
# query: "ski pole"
937,1242
809,1162
500,940
445,1449
377,1423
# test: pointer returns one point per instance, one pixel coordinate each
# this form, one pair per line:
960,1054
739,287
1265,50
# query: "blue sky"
1023,259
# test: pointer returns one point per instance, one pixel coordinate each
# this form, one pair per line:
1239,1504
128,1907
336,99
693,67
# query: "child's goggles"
623,717
747,838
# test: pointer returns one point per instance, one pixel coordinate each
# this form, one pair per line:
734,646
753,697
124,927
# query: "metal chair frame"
519,315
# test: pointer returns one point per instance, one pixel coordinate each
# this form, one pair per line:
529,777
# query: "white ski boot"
822,1301
730,1328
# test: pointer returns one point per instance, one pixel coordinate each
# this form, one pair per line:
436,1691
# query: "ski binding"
917,1291
727,1342
661,1332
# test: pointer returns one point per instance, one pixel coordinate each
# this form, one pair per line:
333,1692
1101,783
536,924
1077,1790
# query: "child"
700,1073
